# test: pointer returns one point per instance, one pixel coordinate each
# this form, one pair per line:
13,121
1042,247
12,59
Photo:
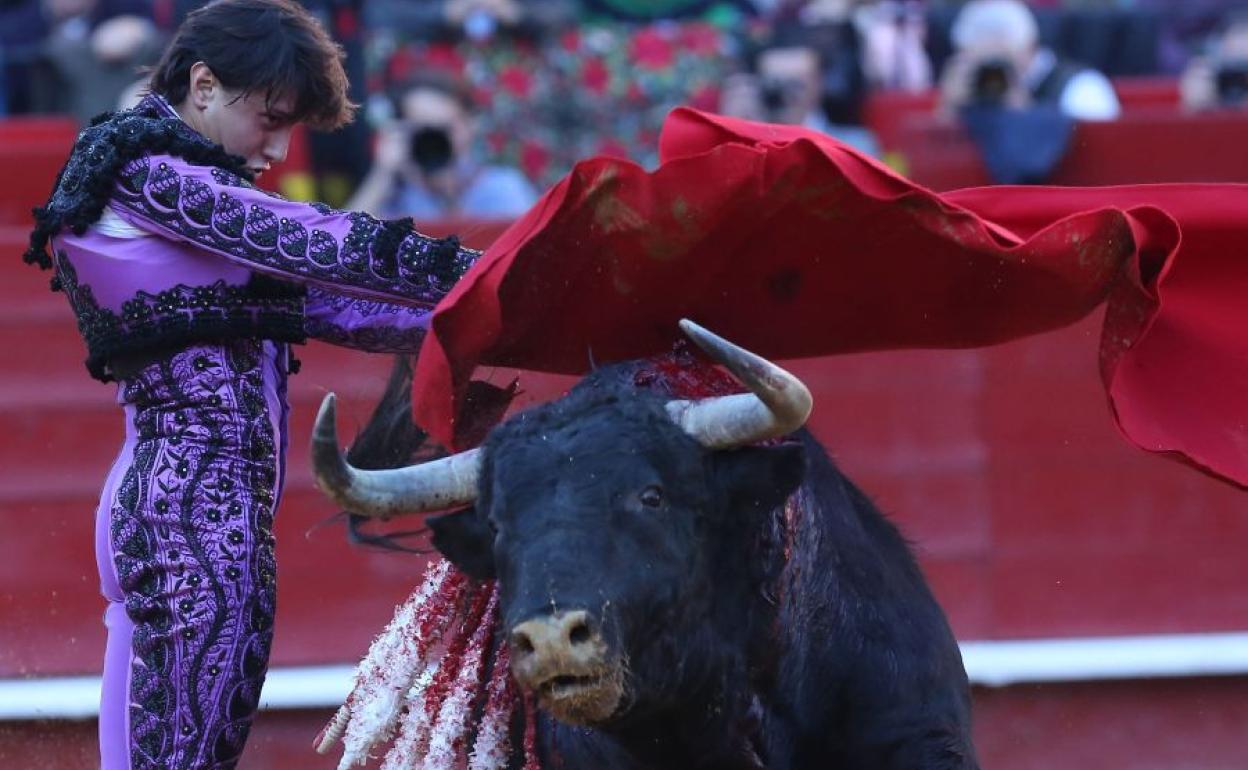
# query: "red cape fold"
794,245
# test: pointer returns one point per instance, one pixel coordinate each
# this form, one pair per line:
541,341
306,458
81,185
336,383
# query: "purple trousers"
184,542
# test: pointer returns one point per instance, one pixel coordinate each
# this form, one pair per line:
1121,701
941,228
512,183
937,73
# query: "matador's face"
251,125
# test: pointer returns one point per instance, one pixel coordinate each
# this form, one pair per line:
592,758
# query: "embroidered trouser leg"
184,538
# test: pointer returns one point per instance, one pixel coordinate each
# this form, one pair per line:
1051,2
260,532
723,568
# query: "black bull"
674,606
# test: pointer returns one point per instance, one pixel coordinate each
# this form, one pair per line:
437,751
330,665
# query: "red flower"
700,39
571,41
402,64
651,50
595,76
515,80
705,98
533,159
443,57
613,148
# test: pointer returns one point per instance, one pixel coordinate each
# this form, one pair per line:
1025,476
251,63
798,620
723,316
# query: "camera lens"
431,149
1232,83
772,96
991,82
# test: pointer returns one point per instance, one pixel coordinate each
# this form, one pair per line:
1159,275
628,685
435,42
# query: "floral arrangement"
591,90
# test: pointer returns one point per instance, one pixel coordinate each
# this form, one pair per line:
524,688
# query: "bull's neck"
708,733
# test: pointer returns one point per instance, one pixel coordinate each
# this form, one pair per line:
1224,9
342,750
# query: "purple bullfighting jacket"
159,239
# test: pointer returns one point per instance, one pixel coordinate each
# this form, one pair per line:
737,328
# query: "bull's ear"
466,539
759,478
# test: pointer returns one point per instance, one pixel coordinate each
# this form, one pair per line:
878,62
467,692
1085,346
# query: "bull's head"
619,525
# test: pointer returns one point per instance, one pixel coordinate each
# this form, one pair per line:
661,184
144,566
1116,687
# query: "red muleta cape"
793,245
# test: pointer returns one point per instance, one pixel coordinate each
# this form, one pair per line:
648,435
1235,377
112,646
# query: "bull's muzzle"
563,659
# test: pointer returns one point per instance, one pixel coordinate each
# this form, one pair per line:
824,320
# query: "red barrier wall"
1138,148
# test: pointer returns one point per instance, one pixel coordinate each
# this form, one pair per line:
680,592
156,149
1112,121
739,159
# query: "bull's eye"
651,497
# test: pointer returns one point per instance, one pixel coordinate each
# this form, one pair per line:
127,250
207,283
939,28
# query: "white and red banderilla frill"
424,680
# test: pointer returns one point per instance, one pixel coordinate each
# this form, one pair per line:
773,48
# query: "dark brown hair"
274,47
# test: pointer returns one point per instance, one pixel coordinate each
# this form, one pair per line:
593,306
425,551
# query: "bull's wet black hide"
391,440
748,642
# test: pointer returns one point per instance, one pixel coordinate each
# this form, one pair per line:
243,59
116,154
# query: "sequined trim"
261,309
226,216
85,182
370,325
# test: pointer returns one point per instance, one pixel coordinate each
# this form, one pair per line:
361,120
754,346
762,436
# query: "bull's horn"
778,403
432,486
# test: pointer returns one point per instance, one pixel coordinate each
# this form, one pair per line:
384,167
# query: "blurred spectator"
72,55
1018,100
338,160
1115,37
480,20
22,30
998,61
426,165
659,10
791,83
1186,26
132,94
92,51
1220,78
475,20
893,35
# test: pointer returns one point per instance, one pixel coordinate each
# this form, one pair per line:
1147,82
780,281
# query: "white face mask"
480,24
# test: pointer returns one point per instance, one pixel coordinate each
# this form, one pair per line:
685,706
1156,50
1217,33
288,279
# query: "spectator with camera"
805,76
999,62
1018,100
427,165
479,21
894,34
1220,78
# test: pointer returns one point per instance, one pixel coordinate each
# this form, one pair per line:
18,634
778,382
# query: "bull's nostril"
521,643
579,634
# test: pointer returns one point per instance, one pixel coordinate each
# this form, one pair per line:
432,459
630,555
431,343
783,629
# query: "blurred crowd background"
471,107
1036,521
